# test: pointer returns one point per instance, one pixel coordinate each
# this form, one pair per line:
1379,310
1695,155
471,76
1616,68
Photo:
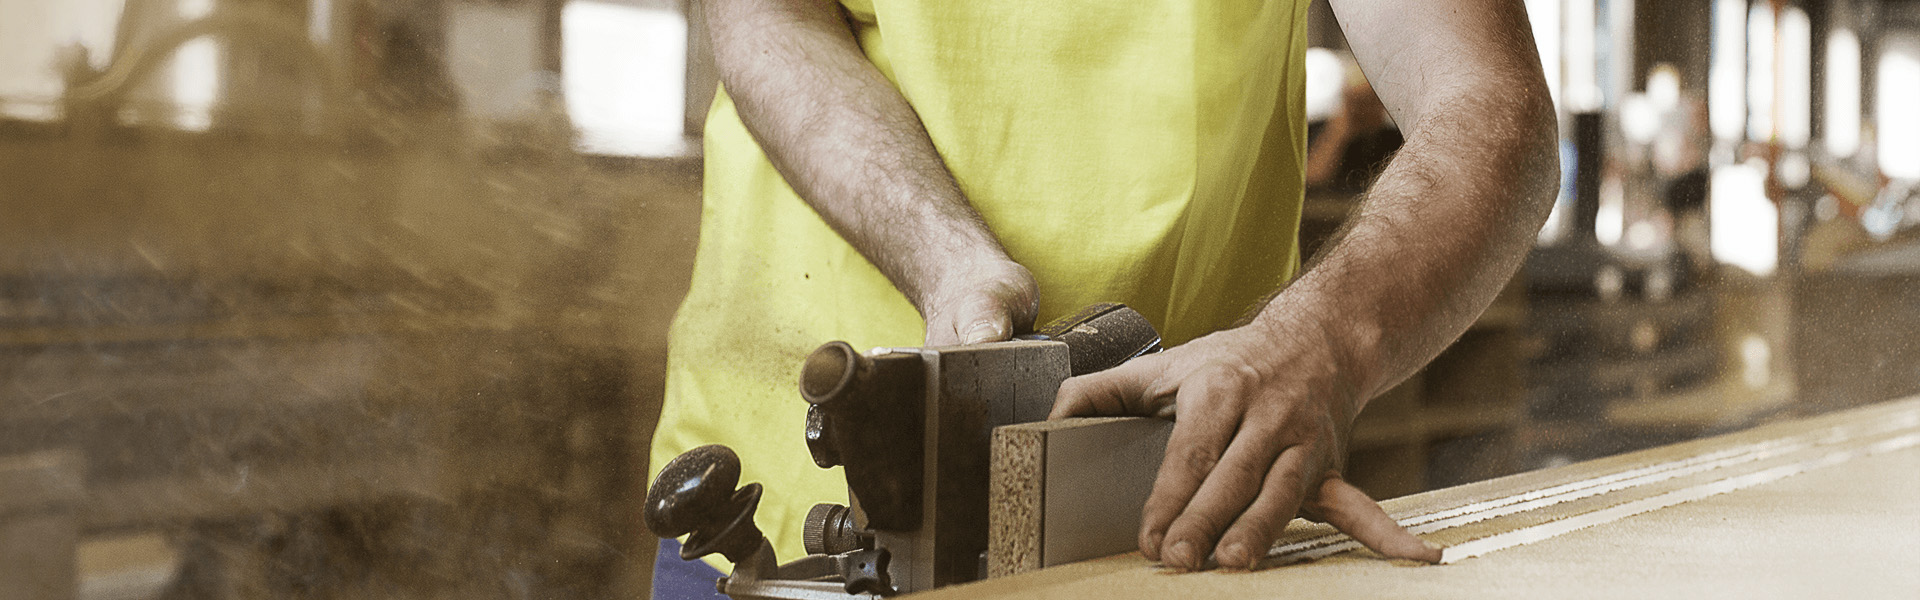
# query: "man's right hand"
982,301
848,143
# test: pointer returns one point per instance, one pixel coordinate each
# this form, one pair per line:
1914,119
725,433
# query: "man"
882,170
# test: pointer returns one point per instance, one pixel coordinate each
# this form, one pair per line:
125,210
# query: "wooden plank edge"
1015,499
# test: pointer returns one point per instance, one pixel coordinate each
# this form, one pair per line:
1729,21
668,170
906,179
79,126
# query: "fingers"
1124,390
980,320
1349,509
1193,451
1246,543
988,301
941,333
1232,477
994,326
1256,489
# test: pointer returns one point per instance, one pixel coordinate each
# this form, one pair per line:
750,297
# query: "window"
625,76
196,73
33,36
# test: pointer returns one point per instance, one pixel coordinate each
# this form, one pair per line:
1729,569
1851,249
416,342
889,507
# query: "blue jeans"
675,579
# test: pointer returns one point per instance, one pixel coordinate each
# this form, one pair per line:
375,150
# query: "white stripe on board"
1335,543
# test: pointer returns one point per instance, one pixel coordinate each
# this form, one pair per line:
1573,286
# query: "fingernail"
1152,549
982,332
1234,556
1182,555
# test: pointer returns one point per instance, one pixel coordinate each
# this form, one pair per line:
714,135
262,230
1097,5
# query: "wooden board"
1069,490
1816,508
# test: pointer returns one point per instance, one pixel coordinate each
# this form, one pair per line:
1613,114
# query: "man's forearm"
1438,234
846,140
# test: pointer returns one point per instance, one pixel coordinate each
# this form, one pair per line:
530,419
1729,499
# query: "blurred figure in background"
1680,159
1346,152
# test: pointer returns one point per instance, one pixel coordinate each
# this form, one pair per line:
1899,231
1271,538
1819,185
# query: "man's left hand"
1260,435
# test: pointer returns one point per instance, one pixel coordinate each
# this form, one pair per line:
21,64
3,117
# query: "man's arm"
1264,409
847,142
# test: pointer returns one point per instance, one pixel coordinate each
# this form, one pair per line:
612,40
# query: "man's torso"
1143,152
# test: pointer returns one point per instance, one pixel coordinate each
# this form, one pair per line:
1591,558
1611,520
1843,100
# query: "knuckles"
1231,379
1287,405
1199,460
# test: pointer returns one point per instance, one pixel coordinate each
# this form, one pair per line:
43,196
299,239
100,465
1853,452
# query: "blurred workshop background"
368,299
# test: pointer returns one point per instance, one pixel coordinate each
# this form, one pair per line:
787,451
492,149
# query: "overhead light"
1743,225
1896,87
1796,73
1610,216
1325,79
1544,15
1760,72
196,73
1726,76
1663,87
1583,57
1841,127
1639,118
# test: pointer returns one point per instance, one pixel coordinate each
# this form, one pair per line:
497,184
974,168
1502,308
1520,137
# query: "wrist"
1348,345
942,273
927,254
956,279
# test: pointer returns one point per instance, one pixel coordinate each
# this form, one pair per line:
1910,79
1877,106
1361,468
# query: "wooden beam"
1069,490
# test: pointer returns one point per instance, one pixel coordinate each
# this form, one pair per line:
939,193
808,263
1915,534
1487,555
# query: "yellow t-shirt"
1149,152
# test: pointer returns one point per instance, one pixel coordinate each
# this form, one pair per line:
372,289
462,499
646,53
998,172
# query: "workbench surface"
1824,507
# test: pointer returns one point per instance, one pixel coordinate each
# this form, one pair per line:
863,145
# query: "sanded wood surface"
1824,507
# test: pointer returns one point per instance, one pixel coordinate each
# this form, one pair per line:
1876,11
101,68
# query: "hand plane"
911,427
